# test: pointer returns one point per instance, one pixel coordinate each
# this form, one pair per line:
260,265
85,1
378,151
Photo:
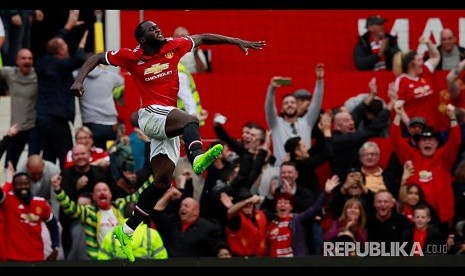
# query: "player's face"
153,35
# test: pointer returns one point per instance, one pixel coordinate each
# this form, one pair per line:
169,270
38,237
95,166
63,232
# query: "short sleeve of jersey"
124,56
179,44
119,57
399,86
186,43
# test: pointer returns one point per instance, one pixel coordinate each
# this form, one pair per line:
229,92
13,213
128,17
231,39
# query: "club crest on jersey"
38,210
156,68
169,55
425,176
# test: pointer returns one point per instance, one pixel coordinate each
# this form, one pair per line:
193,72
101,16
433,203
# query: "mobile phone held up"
220,119
284,81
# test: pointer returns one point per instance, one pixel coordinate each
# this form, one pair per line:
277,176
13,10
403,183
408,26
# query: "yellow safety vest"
146,244
195,93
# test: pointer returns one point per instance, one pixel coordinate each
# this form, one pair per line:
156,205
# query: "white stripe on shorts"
157,110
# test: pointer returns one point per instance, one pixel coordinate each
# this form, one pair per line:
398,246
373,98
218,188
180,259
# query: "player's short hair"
140,31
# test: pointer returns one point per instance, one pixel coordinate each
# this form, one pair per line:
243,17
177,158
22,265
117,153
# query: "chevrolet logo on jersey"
156,68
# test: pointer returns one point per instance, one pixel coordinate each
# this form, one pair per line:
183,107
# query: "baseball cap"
302,94
417,120
353,170
428,132
375,20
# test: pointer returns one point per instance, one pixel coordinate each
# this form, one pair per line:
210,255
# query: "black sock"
147,200
192,141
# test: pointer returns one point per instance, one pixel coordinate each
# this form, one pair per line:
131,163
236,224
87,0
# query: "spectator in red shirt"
414,85
246,227
286,233
432,164
23,215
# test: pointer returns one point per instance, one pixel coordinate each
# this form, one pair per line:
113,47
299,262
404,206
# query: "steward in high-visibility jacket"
146,244
188,96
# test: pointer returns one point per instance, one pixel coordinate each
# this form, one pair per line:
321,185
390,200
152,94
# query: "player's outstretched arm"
214,39
77,88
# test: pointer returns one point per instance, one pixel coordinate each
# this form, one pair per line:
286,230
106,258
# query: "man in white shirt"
195,60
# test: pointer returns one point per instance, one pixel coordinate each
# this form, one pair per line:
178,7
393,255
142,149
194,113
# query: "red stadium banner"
296,41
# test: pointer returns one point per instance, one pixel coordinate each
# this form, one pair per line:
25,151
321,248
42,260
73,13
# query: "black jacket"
433,239
365,60
55,77
201,239
347,145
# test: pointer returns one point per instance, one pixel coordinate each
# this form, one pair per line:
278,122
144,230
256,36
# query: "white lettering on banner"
433,27
400,28
461,33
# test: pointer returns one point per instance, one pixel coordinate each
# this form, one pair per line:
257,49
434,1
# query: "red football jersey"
24,228
420,98
156,77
